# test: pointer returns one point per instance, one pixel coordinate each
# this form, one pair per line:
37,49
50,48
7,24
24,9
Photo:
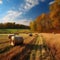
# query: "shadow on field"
5,49
25,54
4,42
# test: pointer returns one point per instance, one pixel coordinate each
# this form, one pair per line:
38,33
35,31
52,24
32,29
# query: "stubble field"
45,47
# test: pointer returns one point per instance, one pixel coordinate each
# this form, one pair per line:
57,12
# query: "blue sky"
22,11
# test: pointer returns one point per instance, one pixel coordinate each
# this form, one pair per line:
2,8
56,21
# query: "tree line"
49,22
12,26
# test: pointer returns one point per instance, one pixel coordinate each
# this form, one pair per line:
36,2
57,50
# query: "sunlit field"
29,29
51,40
5,42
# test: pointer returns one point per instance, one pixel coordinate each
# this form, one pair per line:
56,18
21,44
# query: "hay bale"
16,40
30,34
10,35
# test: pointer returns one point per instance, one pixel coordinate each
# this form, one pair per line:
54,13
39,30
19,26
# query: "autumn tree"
33,26
43,23
48,22
55,14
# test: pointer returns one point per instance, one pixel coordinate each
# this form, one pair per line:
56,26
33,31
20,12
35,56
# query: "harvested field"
53,42
33,48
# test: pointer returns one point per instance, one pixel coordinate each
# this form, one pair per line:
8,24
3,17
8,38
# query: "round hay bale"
10,35
16,40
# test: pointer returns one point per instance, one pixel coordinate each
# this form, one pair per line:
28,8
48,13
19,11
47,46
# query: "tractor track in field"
34,49
11,53
24,55
15,50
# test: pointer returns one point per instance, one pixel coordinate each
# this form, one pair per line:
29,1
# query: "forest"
49,22
12,26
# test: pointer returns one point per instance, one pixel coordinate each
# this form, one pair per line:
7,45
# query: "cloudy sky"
22,11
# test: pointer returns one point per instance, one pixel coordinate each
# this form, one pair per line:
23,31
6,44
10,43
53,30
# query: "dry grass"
53,42
5,44
4,41
17,50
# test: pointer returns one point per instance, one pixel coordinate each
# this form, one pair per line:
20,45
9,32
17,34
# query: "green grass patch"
7,31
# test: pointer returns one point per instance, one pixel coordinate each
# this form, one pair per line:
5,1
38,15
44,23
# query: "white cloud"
51,2
24,22
30,4
11,16
1,2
